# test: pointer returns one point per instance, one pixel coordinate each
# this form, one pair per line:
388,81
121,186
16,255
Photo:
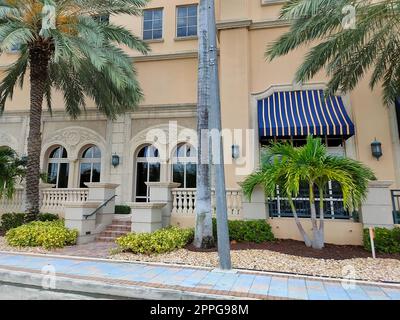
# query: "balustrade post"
161,192
255,208
102,192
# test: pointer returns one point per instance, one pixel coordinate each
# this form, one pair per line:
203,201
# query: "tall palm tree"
71,52
286,168
12,169
353,37
203,231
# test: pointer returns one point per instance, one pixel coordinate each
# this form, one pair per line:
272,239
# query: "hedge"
47,234
386,240
161,241
257,231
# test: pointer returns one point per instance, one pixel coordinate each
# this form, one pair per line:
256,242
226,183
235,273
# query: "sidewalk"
156,281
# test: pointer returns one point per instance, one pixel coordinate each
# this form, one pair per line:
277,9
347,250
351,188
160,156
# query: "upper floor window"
152,24
187,21
102,18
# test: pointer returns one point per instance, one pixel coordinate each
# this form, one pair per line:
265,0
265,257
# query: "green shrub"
12,220
122,209
386,240
47,217
161,241
47,234
247,230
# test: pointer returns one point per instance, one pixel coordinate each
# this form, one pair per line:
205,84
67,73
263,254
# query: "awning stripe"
300,113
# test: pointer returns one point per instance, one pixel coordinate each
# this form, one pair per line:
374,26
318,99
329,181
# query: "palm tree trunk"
321,235
39,56
316,243
304,235
203,231
218,153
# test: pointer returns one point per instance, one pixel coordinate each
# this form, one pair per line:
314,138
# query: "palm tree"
286,168
12,169
71,52
353,38
203,231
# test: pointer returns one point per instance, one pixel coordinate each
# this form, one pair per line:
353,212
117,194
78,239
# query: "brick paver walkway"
239,284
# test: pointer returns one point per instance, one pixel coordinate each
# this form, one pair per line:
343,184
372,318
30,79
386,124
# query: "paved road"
171,280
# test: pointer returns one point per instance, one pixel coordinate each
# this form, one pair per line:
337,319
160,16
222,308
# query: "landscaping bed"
297,248
268,258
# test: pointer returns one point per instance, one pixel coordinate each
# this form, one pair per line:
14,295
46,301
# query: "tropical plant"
64,47
349,38
12,170
287,168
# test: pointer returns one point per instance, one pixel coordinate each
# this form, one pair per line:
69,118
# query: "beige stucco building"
81,151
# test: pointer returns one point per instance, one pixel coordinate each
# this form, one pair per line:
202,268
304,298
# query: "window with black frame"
90,166
58,167
333,196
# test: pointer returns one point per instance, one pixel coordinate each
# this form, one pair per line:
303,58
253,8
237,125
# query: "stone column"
146,216
255,208
75,219
101,192
161,192
377,209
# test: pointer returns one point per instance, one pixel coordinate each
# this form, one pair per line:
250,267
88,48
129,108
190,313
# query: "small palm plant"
287,168
12,170
65,47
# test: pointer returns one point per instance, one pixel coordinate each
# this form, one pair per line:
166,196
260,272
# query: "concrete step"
116,227
121,222
105,239
115,234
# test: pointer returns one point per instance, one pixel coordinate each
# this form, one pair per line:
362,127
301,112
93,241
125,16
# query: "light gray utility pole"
217,154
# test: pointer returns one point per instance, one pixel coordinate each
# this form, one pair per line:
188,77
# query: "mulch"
298,248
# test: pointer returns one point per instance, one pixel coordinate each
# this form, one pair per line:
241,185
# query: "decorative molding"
233,24
166,56
73,139
265,3
8,140
269,24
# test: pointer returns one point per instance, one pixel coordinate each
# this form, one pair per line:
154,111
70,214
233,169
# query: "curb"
241,271
106,289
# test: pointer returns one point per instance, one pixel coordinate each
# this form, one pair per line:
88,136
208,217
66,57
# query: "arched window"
58,167
90,166
147,170
184,166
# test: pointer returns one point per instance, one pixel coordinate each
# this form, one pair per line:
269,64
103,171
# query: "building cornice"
142,112
166,56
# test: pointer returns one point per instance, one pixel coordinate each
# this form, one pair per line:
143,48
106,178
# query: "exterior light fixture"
376,148
115,160
235,151
24,159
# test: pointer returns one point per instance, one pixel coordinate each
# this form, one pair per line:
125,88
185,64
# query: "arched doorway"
147,170
184,166
89,165
58,167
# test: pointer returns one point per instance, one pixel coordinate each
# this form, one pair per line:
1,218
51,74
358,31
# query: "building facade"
260,103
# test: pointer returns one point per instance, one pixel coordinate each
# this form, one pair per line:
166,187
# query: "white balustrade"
184,201
15,204
53,199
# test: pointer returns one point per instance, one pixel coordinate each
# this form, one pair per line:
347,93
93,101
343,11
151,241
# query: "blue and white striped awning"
302,113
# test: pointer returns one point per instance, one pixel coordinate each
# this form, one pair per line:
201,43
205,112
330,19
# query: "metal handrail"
98,208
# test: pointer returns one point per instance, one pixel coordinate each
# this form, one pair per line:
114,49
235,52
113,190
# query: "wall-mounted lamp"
235,151
24,159
376,149
115,160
